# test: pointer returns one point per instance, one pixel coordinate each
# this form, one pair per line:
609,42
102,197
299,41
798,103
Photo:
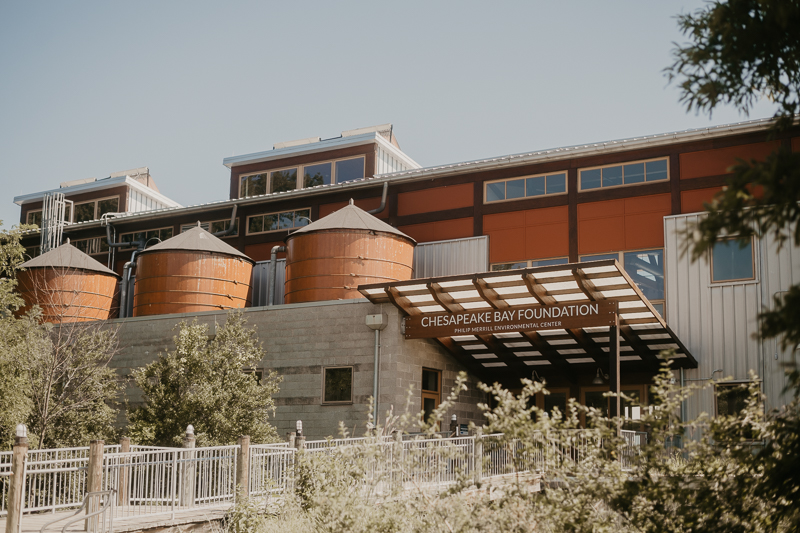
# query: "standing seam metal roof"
351,217
67,256
199,240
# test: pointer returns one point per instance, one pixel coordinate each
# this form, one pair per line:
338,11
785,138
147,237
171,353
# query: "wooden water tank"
330,258
190,273
69,286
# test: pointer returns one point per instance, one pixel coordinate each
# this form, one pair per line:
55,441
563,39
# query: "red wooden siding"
438,231
435,199
717,162
260,252
624,224
531,234
692,201
364,203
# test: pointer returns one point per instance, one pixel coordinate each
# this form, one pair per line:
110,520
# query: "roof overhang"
98,185
499,346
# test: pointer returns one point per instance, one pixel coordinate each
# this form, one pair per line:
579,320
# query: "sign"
511,319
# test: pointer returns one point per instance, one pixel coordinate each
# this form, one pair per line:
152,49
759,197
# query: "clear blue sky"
90,88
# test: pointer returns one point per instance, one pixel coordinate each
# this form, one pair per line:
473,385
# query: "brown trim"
618,193
675,183
434,216
704,182
572,196
478,210
524,204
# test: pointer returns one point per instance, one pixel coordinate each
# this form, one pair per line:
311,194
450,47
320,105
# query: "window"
35,217
431,391
625,174
732,260
558,397
98,245
731,398
630,410
162,234
278,221
313,175
33,251
526,187
646,269
526,264
337,384
215,226
95,209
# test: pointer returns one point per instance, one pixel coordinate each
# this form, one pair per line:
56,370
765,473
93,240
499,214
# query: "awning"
643,332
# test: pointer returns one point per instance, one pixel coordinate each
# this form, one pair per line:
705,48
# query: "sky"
90,88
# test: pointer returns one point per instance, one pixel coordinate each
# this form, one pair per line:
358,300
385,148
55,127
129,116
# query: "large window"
289,179
95,209
731,398
732,260
526,187
152,236
431,391
97,245
278,221
646,269
497,267
337,384
215,226
35,217
626,174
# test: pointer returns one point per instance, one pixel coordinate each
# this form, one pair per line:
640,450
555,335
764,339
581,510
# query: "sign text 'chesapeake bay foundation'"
529,318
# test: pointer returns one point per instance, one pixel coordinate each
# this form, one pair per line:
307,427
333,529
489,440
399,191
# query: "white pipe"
375,373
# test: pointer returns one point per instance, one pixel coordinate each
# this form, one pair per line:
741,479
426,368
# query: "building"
617,200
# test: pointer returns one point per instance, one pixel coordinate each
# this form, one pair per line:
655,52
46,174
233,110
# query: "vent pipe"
273,268
383,200
231,226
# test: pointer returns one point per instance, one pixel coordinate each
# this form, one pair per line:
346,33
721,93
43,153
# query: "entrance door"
431,390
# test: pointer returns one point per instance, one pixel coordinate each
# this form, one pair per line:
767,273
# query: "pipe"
111,244
231,226
375,374
709,378
383,200
273,267
126,276
683,402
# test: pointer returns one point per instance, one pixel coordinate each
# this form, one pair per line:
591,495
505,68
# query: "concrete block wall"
299,340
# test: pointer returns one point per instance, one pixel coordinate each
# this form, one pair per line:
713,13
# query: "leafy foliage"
206,384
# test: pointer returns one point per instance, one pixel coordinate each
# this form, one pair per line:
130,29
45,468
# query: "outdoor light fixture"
600,378
535,376
299,427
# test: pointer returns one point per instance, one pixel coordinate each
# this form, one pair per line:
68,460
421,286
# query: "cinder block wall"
299,340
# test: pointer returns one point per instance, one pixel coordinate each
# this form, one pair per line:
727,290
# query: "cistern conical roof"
67,256
351,217
199,240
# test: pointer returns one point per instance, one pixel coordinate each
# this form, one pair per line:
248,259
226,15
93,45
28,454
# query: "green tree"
741,51
208,384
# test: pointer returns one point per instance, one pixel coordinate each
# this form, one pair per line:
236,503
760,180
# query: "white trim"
98,185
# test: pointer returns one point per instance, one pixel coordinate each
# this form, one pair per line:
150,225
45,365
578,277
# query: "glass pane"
338,384
550,262
428,405
430,380
556,183
647,270
634,173
255,185
598,257
68,213
255,225
35,218
83,246
283,180
612,176
657,170
314,175
349,170
166,233
219,225
110,205
508,266
595,399
271,222
103,243
84,212
659,308
286,220
302,218
590,179
535,186
631,409
495,191
515,189
730,400
732,262
556,399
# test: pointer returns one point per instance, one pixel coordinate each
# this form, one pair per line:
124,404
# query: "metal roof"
644,333
67,256
351,217
199,240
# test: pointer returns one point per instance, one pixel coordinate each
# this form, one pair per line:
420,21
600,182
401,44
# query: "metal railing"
99,519
270,469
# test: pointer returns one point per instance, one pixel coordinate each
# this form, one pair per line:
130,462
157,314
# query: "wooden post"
124,472
188,469
243,465
16,489
477,455
613,369
94,483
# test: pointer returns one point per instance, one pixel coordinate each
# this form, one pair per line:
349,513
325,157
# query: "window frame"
525,177
731,384
301,173
642,389
32,211
96,239
352,384
96,204
121,236
210,222
527,262
428,394
622,164
739,281
247,223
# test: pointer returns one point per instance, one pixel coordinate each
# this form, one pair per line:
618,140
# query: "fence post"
122,476
188,468
16,490
477,455
94,483
300,439
243,465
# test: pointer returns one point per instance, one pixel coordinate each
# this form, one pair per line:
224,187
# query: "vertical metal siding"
719,322
451,257
261,282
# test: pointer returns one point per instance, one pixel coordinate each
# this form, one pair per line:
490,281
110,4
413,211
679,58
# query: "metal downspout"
231,227
273,267
383,200
375,373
